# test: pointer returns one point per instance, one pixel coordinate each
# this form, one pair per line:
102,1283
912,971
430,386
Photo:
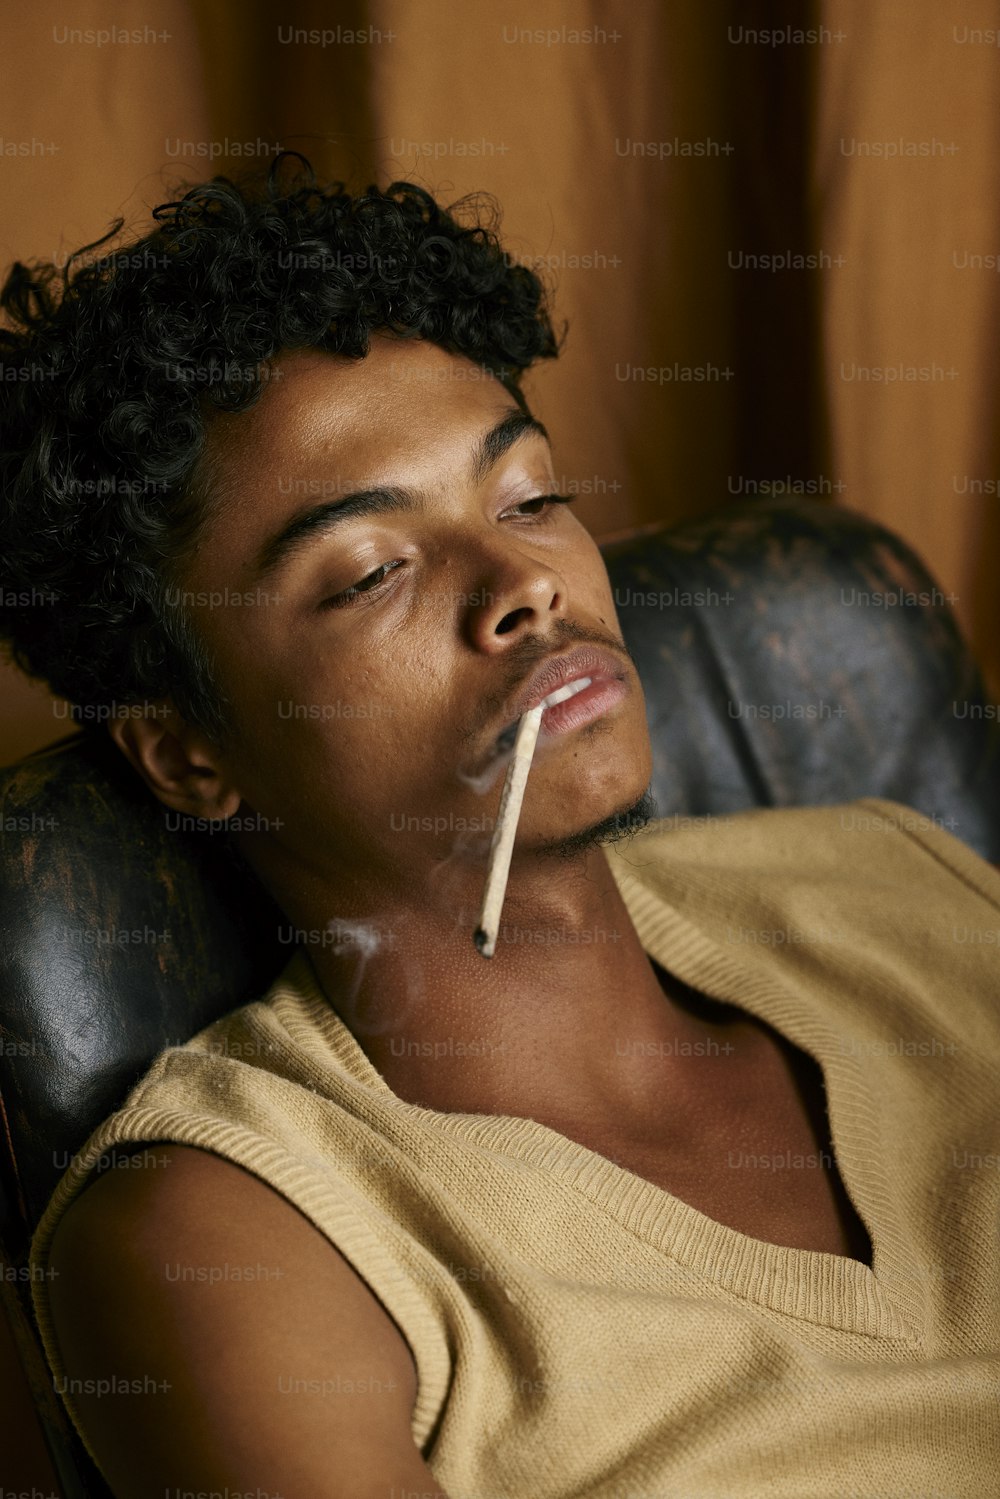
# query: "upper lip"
557,671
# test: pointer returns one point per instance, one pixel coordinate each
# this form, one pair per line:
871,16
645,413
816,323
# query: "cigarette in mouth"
511,797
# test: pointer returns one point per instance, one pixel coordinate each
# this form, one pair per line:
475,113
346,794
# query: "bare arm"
291,1379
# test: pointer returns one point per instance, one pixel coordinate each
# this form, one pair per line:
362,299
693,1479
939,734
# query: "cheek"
597,584
316,703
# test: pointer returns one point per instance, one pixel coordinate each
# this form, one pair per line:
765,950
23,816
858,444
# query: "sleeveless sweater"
578,1331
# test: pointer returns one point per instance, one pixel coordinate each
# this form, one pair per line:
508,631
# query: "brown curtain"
771,230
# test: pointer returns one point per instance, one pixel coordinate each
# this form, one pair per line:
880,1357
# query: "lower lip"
603,694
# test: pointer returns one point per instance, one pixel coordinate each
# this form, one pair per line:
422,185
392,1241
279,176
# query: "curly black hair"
112,366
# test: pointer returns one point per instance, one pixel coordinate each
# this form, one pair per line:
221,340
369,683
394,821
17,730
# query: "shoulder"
821,841
167,1194
168,1209
187,1282
930,840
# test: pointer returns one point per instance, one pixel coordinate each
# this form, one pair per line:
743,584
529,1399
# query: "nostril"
510,621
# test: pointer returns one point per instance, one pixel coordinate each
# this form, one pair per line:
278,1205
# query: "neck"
538,1029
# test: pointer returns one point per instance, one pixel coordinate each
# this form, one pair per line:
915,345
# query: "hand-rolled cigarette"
502,846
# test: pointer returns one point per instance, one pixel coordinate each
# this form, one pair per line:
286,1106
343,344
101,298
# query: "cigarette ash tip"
482,942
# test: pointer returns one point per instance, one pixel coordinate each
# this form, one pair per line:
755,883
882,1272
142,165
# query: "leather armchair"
791,653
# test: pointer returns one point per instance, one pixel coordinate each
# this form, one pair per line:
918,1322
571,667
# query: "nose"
520,597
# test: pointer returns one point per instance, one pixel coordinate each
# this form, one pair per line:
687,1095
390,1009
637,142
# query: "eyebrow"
514,426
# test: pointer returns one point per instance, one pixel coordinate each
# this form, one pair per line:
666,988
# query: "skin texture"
473,589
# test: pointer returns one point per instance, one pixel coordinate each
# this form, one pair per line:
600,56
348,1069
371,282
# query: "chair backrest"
791,654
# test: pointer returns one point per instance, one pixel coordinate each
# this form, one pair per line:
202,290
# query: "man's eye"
369,583
542,503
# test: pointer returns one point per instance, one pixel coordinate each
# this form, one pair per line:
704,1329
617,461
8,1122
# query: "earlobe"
178,762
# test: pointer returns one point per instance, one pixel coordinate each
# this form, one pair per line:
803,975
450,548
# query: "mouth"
599,681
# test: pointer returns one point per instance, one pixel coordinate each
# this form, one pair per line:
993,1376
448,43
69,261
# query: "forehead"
408,406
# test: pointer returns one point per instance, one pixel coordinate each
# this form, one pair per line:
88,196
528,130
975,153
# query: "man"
412,1221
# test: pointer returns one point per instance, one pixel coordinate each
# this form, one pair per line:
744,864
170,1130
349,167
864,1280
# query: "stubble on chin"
619,825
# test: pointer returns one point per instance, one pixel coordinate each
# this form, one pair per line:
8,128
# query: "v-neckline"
827,1289
808,1077
881,1300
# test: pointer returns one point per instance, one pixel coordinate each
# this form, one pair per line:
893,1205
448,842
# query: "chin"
623,822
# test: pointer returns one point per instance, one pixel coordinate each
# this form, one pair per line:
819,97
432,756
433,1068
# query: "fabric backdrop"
771,230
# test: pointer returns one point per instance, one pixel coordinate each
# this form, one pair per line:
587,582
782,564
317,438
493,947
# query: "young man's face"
366,723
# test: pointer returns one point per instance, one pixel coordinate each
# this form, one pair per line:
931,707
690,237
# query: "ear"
178,762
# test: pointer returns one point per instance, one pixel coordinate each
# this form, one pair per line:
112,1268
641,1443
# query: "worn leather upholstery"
784,664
